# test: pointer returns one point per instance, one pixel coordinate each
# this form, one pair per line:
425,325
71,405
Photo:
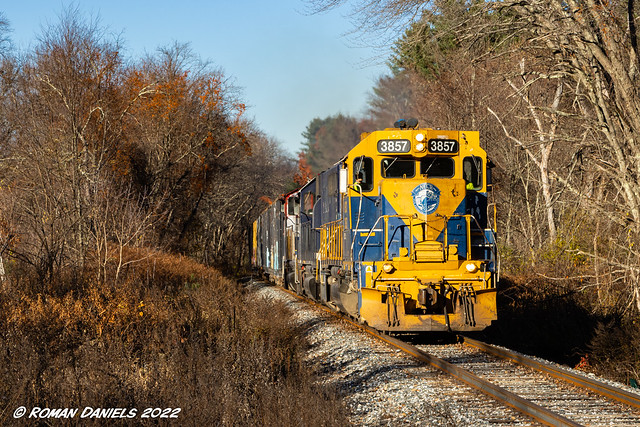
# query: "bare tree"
239,196
546,135
5,39
595,44
66,109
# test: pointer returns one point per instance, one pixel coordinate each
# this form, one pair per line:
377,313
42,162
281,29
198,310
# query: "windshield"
396,168
437,167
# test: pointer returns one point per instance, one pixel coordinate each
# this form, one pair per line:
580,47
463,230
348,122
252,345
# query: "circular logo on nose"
426,198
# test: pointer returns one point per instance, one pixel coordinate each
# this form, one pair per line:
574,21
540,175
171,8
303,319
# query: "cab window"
397,168
472,172
293,206
437,167
363,168
307,204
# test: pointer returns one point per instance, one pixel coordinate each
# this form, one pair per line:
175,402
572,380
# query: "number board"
394,146
442,146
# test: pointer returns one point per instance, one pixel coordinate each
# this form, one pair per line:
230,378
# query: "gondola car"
397,233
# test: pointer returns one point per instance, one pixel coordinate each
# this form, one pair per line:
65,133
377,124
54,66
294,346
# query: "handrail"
331,240
492,246
368,235
411,219
412,223
445,230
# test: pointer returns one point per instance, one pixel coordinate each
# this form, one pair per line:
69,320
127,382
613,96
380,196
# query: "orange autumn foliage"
304,173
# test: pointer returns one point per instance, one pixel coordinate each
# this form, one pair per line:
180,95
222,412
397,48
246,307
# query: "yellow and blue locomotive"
396,234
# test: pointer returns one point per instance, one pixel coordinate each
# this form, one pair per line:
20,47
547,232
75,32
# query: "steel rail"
494,391
578,379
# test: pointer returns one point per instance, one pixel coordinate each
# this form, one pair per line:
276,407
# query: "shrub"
169,333
543,319
614,350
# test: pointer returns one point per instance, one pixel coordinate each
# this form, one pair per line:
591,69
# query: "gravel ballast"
381,385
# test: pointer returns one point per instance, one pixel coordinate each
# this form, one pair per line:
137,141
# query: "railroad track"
544,392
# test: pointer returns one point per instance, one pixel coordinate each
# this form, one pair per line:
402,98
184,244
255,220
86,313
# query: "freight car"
397,234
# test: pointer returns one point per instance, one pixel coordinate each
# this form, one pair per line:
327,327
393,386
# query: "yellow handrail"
331,248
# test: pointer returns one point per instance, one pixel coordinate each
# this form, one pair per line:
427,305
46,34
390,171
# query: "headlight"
420,146
387,268
420,137
471,267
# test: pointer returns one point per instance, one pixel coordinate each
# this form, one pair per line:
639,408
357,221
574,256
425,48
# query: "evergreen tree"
328,139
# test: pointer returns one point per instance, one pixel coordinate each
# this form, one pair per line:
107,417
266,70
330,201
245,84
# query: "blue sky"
291,65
